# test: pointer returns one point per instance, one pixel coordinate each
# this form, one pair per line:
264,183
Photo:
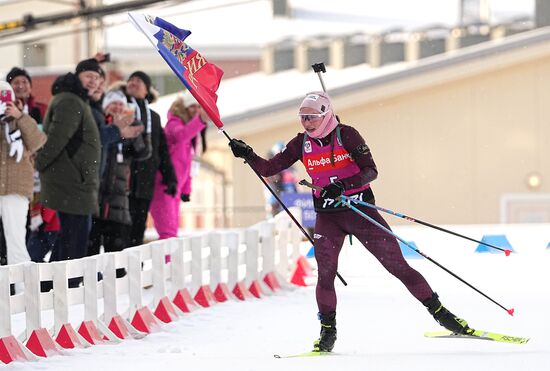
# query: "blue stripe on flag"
180,33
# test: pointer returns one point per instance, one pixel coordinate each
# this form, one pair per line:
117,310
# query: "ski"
478,334
312,353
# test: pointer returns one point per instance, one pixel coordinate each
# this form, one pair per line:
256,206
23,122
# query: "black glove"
171,189
240,148
185,198
333,190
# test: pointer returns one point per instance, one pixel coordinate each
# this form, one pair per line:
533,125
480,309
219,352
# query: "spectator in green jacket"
69,162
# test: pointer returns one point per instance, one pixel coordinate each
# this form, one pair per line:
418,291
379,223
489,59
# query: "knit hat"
188,99
16,71
152,94
89,65
318,100
113,96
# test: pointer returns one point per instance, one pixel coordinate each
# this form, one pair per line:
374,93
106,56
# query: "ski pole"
284,207
411,219
346,201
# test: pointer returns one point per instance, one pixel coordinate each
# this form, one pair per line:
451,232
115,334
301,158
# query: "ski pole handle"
319,68
309,185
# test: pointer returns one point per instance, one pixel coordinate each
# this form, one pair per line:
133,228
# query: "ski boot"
327,338
444,317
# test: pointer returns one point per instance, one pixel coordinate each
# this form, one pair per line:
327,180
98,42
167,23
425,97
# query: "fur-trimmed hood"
178,109
69,83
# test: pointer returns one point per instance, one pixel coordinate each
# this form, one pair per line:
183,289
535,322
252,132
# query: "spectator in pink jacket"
185,123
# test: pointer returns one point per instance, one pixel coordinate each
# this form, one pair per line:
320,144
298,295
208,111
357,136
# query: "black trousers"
71,243
111,235
139,207
3,246
72,240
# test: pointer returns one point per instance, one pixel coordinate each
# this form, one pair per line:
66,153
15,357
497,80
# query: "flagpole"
284,206
150,27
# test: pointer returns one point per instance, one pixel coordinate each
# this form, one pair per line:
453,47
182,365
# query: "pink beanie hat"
320,101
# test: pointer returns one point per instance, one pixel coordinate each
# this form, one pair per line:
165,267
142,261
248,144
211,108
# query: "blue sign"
407,252
303,200
498,240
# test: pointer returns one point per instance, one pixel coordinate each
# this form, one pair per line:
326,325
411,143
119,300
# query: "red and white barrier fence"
184,274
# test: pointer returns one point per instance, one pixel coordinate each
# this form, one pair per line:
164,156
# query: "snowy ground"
380,326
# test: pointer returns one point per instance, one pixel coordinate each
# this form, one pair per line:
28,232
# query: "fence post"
5,307
295,240
267,247
134,280
232,240
251,256
282,241
196,262
158,251
32,298
109,288
60,291
215,242
177,264
90,288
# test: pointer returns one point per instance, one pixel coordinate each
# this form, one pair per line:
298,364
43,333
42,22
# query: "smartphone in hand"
5,97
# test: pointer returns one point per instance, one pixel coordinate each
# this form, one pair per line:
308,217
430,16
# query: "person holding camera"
20,138
42,225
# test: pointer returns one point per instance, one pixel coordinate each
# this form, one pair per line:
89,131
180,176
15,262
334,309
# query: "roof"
251,22
259,94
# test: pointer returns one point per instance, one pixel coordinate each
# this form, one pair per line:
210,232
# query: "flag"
199,76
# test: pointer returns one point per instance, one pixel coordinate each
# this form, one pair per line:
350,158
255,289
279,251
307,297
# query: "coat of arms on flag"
199,76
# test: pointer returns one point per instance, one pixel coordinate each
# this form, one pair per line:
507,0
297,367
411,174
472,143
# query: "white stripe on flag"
148,29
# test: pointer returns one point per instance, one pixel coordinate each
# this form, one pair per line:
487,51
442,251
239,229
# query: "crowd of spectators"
79,175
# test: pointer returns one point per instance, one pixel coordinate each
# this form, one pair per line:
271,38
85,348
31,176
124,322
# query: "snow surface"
380,326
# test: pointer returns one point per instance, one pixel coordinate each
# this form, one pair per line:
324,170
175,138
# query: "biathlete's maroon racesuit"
335,222
339,161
